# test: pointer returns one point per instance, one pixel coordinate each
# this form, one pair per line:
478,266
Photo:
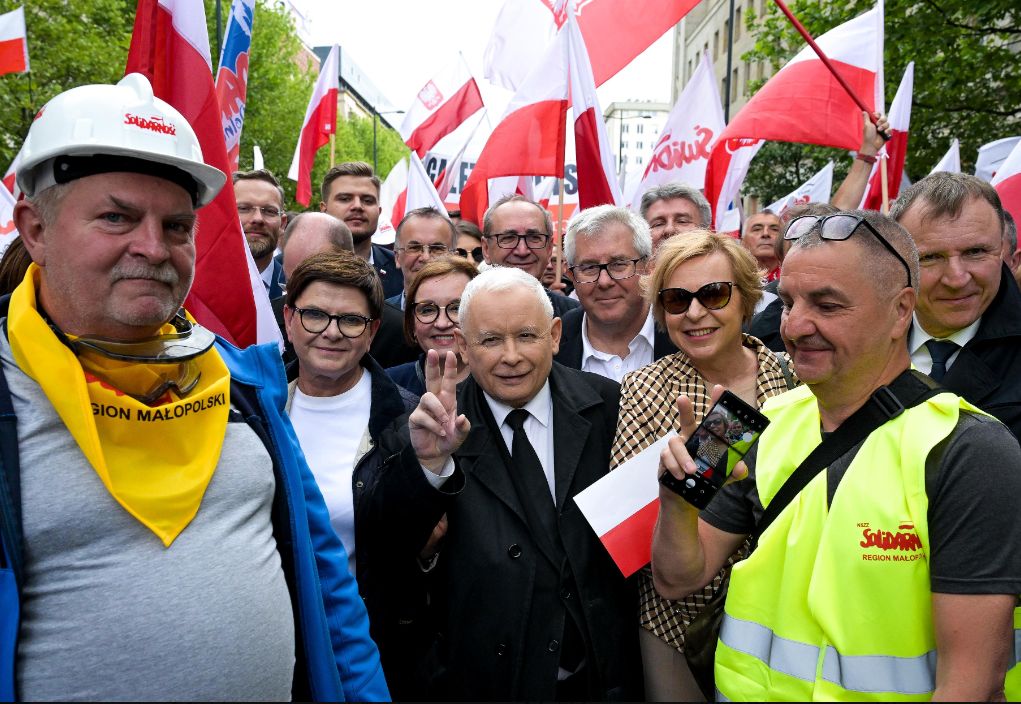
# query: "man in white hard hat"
162,536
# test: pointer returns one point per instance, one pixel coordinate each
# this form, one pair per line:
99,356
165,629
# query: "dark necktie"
940,351
528,475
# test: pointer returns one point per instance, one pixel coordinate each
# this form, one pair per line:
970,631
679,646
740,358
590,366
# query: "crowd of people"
386,507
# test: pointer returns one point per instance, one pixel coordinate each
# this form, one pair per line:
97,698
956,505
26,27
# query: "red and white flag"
530,138
815,190
623,506
804,103
616,30
9,179
452,171
13,42
691,129
951,161
896,149
420,192
170,46
320,122
442,104
991,156
7,230
1007,182
597,184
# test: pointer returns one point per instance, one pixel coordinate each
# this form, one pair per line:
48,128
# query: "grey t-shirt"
108,613
972,479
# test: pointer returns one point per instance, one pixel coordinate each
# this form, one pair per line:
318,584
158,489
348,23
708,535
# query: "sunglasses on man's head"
839,227
714,296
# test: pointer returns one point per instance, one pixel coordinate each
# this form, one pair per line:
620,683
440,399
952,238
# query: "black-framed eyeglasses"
713,296
315,321
839,227
269,212
618,270
509,240
427,312
435,250
475,253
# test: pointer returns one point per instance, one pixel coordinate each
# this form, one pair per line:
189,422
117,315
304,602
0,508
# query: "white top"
920,357
642,352
538,426
267,275
330,430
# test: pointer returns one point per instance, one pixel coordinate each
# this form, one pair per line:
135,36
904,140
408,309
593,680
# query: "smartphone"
724,437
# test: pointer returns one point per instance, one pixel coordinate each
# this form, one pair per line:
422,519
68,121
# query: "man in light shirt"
613,333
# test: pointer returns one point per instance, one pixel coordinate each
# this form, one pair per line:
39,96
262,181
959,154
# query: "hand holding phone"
724,437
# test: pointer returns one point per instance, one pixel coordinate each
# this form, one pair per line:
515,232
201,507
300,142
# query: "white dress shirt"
920,357
267,275
642,352
538,426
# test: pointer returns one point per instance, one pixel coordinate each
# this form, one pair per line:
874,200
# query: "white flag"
951,161
815,190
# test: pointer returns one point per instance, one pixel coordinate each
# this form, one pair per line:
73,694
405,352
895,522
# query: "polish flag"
13,42
617,30
170,46
320,122
623,506
951,161
232,76
815,190
991,156
7,230
530,138
691,129
1007,182
441,105
596,182
894,150
420,192
9,178
447,177
394,186
804,103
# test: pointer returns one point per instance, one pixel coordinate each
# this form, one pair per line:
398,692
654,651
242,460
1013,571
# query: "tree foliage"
967,79
76,42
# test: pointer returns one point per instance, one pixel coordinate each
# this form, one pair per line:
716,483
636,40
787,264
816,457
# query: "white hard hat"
102,128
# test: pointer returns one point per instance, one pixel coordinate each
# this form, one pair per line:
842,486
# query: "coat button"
565,593
553,646
514,551
359,484
501,649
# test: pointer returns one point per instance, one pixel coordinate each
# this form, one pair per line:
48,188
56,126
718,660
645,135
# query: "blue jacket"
335,658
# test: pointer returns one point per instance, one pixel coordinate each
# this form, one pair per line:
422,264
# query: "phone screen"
724,437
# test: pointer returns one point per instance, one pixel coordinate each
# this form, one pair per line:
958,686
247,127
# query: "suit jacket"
561,303
498,630
388,347
395,301
987,371
571,347
277,282
386,266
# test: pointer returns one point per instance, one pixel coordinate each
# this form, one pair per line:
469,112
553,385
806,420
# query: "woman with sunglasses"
349,418
430,317
703,288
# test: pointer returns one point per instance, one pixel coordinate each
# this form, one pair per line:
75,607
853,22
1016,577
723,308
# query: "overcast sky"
401,44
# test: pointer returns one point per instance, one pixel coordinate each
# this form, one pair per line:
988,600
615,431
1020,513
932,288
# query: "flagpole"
826,62
333,150
884,181
730,56
558,244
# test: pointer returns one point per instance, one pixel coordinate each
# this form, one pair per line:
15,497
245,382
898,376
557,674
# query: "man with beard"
350,193
261,208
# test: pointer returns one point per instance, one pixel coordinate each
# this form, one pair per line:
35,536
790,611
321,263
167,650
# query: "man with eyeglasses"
260,202
422,234
879,578
966,333
613,333
517,232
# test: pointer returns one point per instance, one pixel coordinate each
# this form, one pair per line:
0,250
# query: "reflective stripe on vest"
862,673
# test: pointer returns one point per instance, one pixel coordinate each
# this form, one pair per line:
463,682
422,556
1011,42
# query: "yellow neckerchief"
155,461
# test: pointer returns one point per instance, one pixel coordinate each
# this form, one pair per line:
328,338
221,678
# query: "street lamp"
375,121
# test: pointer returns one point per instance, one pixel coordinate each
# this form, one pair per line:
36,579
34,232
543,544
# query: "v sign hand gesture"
436,428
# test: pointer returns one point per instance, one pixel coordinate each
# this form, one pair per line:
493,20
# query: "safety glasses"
839,227
714,296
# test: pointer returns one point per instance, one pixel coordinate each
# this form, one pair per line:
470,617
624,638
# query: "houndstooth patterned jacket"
647,411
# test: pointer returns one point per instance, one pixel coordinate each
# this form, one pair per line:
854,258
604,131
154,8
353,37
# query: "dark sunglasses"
839,227
475,253
714,296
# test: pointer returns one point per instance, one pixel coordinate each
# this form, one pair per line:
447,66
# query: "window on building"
737,23
640,128
716,45
688,74
747,77
733,86
726,29
624,128
760,71
705,49
641,145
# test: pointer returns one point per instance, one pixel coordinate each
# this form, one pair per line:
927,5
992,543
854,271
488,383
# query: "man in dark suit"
613,333
422,234
350,193
533,607
967,328
518,232
260,202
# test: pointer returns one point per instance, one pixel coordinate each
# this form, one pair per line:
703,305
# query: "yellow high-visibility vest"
835,602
